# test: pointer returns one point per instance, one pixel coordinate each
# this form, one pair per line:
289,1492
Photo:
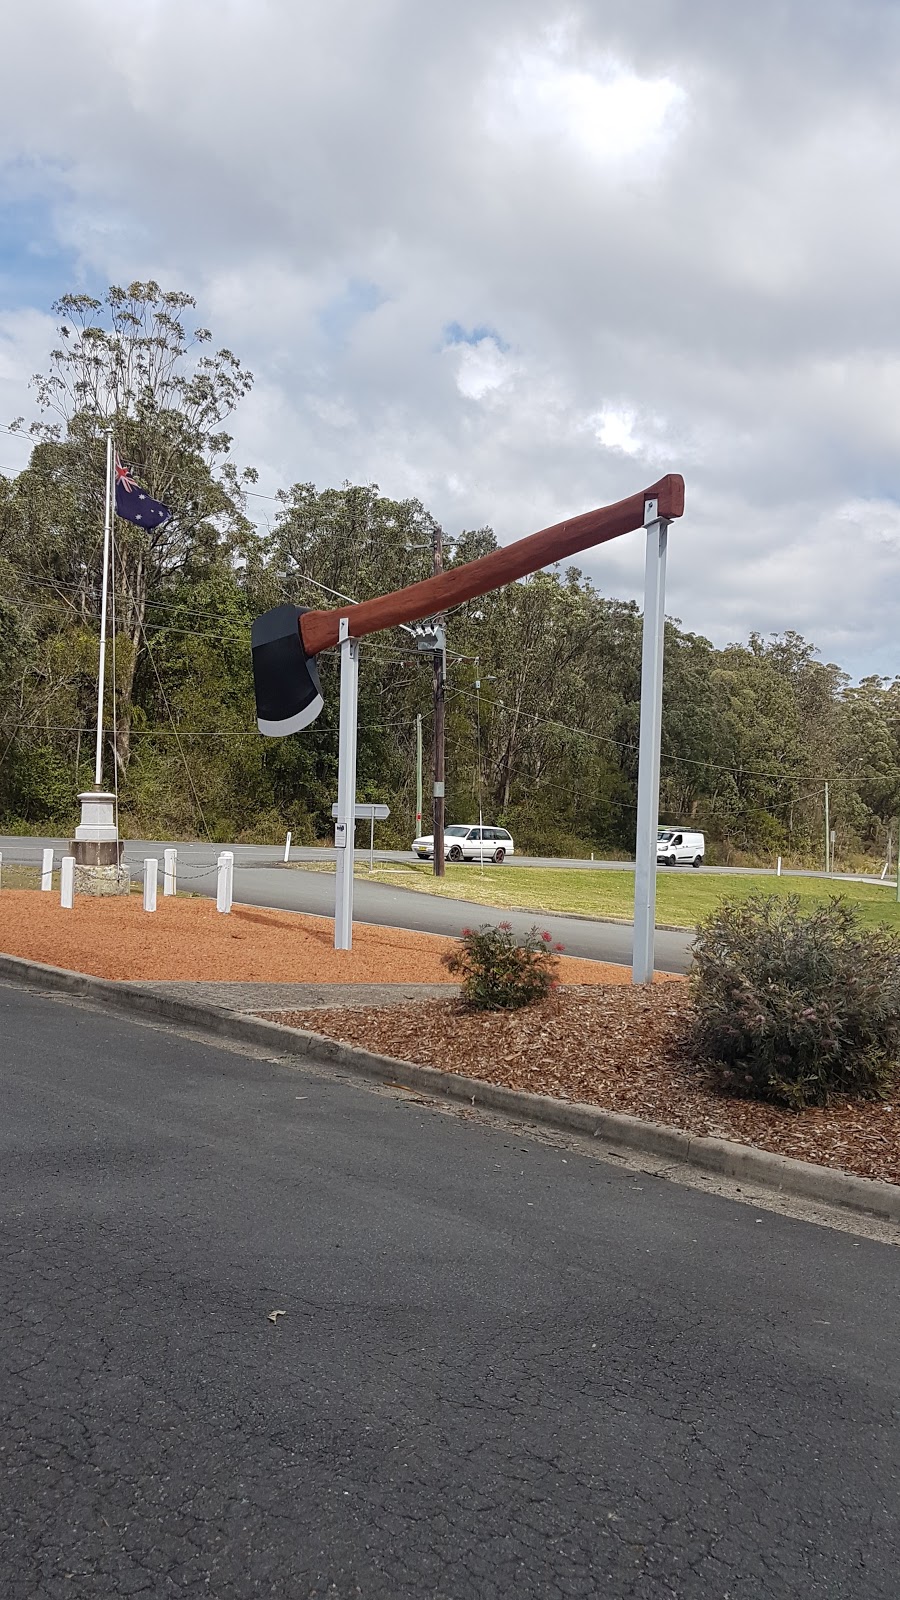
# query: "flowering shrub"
796,1007
500,972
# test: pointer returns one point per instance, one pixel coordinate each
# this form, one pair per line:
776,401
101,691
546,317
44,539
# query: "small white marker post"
1,868
649,746
170,872
287,847
778,868
151,868
225,881
47,870
67,883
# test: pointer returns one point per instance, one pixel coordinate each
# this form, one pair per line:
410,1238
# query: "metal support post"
649,749
440,678
827,832
107,532
418,773
345,827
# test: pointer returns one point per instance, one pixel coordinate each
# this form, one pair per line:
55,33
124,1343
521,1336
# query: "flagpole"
101,677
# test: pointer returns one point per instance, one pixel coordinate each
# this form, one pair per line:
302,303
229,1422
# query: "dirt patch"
622,1049
189,940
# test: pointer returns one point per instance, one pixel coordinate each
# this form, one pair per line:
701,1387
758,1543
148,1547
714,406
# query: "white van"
674,845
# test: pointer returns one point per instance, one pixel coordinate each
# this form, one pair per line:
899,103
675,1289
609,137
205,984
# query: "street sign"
367,813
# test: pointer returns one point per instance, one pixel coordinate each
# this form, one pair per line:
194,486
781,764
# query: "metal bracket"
433,640
343,629
651,512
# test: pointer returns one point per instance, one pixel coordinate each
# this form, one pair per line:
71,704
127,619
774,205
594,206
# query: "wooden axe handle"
319,629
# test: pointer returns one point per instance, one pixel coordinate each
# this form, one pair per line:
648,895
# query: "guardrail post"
170,872
67,882
225,881
151,869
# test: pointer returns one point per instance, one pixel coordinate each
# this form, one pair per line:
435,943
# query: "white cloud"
669,230
608,114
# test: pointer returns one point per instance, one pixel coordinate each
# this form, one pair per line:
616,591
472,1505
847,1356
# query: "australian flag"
134,504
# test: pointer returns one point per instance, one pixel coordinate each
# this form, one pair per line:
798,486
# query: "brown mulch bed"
620,1048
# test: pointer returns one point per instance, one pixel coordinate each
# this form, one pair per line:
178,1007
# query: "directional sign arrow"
366,813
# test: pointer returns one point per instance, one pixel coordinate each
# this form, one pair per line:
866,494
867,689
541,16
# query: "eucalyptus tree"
127,363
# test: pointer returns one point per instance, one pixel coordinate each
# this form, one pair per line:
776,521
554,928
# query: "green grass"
683,897
21,876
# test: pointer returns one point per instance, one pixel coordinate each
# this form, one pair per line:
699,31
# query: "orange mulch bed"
189,940
621,1048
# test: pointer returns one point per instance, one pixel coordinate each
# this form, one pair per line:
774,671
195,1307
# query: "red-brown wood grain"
319,629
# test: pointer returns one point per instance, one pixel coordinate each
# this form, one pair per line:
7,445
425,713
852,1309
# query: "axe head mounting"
285,678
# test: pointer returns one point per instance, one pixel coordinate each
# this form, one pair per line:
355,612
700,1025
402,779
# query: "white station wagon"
465,841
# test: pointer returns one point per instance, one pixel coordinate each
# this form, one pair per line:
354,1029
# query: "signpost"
363,812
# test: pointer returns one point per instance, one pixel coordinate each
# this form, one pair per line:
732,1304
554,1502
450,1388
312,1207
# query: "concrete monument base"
102,880
97,847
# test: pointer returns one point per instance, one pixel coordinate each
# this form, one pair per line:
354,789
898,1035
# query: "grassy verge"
683,897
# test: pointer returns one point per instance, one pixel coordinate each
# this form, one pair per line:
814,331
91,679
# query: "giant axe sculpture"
287,640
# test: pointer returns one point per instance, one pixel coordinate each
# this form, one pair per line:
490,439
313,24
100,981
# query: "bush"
795,1008
500,972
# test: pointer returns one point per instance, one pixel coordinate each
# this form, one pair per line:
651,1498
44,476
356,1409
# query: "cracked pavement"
504,1368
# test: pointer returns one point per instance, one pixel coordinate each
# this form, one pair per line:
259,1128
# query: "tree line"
543,691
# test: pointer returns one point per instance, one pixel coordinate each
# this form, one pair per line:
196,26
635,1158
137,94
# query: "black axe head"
286,679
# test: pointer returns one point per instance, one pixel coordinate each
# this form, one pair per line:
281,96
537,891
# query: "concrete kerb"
619,1132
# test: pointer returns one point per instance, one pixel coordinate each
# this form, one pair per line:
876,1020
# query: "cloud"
516,257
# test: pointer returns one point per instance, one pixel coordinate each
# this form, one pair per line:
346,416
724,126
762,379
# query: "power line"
599,738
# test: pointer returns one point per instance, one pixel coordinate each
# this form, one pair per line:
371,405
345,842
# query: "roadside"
623,1049
683,897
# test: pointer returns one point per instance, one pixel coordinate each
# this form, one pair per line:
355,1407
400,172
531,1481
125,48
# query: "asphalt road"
21,847
503,1370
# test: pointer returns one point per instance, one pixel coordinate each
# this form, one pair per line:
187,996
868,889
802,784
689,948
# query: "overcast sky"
514,257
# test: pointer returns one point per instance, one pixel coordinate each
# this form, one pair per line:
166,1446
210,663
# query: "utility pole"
440,672
418,774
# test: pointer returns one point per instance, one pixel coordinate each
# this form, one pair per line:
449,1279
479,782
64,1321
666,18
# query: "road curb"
620,1133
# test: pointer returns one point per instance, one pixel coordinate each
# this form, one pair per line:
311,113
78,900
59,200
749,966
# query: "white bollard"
47,869
1,868
225,881
67,882
287,848
170,871
778,869
151,869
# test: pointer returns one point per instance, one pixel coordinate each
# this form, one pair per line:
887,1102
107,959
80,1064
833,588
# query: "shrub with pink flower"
500,972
